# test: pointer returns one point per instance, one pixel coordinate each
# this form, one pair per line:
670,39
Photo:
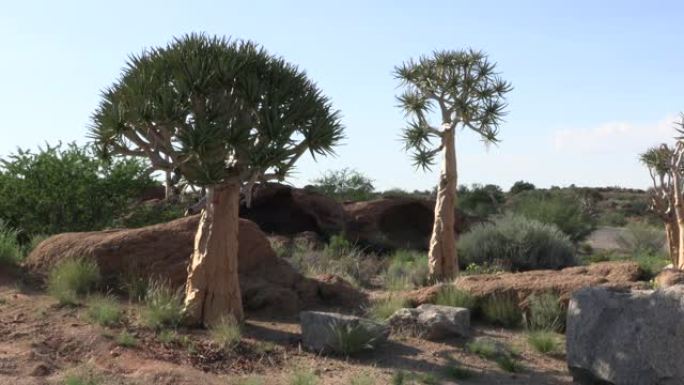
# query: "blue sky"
595,81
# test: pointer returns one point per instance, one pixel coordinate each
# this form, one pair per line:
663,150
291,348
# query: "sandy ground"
42,343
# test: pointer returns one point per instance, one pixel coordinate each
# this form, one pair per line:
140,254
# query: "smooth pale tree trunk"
679,215
213,289
442,257
672,240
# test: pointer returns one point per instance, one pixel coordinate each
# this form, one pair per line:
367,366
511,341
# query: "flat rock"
432,321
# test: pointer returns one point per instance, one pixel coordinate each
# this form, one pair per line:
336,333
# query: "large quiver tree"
465,91
222,114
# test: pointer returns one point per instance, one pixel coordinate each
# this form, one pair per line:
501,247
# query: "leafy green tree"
67,188
521,186
464,90
345,184
221,114
479,200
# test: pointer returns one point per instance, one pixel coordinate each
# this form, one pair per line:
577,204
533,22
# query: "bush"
458,373
61,189
352,265
135,286
449,295
163,306
10,251
381,309
147,214
406,270
126,339
546,313
345,185
565,209
544,342
226,333
351,339
651,264
521,186
509,364
71,279
481,201
105,310
524,243
502,310
484,348
640,238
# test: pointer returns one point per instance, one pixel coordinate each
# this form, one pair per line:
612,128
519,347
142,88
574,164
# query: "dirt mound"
617,275
395,223
163,251
285,210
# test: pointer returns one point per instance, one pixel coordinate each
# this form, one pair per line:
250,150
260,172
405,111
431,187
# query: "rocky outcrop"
163,251
339,333
619,275
626,338
432,322
395,223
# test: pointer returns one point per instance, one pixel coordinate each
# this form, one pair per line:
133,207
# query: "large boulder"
619,275
432,321
325,332
626,338
285,210
395,223
163,252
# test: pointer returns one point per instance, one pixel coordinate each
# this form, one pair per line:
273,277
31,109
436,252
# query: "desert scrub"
406,270
250,381
10,251
525,243
362,379
455,372
642,238
544,342
449,295
104,310
352,264
383,308
303,377
509,364
502,309
163,306
226,333
484,348
134,286
126,339
73,278
651,264
545,312
351,339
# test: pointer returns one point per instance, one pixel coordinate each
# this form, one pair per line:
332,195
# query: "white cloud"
614,136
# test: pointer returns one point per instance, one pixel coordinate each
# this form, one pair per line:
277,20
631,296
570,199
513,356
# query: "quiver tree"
658,160
464,90
221,114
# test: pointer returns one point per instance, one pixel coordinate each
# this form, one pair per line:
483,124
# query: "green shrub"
509,364
82,379
613,218
545,312
250,381
302,377
481,201
226,333
485,268
351,339
73,278
352,265
651,264
641,238
105,310
135,286
10,251
126,339
449,295
502,310
543,341
345,185
525,244
362,379
67,188
406,270
565,209
399,378
458,373
163,306
383,308
485,348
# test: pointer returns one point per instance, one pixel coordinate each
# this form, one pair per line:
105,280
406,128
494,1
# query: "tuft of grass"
80,379
509,364
73,278
135,286
167,337
126,339
406,270
302,377
544,342
250,381
458,373
399,378
351,339
382,309
163,306
10,251
449,295
502,310
362,379
546,313
226,333
484,348
105,310
428,379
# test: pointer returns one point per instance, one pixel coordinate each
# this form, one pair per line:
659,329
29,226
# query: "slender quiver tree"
466,92
658,161
221,114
